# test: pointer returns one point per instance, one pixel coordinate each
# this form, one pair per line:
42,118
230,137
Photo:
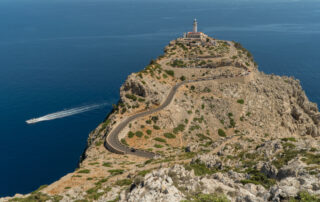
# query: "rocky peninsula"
228,133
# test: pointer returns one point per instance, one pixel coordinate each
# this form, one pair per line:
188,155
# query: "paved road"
112,142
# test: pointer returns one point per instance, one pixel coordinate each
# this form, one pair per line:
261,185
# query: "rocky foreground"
244,136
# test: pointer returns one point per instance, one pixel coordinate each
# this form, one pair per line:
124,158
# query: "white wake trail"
65,113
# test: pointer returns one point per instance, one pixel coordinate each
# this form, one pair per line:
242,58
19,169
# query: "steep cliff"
231,133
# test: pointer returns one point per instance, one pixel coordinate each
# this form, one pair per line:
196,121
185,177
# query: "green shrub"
182,78
304,196
149,132
156,127
107,164
139,134
170,72
143,172
131,97
141,100
180,127
130,134
177,63
216,197
221,133
115,172
124,182
286,139
159,139
169,135
256,177
84,171
158,146
123,141
240,101
200,169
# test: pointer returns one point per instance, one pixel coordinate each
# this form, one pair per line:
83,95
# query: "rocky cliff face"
242,135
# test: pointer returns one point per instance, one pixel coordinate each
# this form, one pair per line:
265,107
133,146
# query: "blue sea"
57,55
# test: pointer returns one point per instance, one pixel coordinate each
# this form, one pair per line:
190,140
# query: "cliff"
230,133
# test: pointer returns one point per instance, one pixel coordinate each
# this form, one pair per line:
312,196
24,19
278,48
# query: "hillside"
230,132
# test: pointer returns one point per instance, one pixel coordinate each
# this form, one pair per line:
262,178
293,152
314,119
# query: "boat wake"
65,113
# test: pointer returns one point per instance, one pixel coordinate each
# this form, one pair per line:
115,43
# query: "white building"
195,35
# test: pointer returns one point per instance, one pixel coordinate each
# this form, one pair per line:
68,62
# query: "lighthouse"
195,26
195,35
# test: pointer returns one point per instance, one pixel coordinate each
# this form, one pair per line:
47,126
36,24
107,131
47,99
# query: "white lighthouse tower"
195,26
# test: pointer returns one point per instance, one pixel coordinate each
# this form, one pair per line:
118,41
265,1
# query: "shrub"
84,171
304,196
177,63
240,101
221,133
180,127
130,134
139,134
182,78
156,127
256,177
143,172
286,139
200,169
158,146
123,141
107,164
115,172
160,139
170,72
210,198
149,132
124,182
148,121
141,100
169,135
131,97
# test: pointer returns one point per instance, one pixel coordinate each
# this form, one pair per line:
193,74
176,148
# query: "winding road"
112,142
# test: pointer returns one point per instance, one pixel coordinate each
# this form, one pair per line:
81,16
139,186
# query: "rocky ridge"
244,136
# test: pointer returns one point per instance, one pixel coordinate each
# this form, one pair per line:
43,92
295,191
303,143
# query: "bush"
170,72
182,78
240,101
221,133
158,146
160,139
169,135
304,196
200,169
210,198
256,177
115,172
141,100
156,127
123,141
124,182
107,164
130,134
84,171
148,121
139,134
149,132
131,97
178,63
180,127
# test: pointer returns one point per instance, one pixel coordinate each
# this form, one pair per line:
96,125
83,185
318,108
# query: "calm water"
62,55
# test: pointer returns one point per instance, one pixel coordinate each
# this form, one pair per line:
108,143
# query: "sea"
60,56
